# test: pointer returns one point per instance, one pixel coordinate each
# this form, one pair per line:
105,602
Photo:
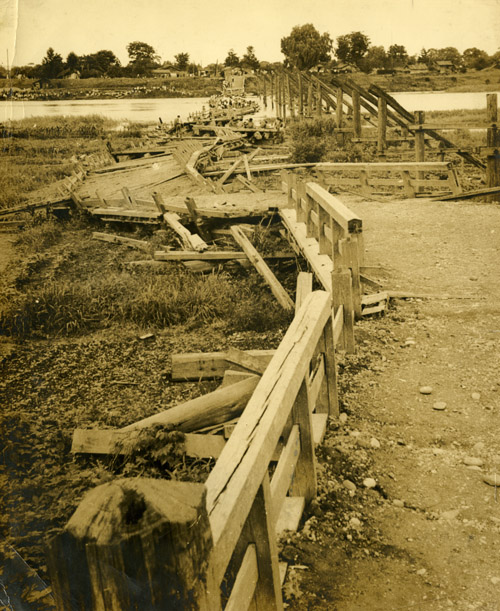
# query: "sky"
207,29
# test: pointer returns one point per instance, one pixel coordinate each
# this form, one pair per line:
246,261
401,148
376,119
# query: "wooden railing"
330,237
153,544
410,178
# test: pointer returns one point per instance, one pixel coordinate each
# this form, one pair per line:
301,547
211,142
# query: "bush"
308,150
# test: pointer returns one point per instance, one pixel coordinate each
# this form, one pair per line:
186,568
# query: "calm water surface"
169,108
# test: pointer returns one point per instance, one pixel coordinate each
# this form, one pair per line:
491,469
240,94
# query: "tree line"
303,48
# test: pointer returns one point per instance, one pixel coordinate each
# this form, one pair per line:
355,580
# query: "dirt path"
427,537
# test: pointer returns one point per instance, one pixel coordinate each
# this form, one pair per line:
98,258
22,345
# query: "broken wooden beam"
263,269
118,239
191,240
212,255
208,365
218,406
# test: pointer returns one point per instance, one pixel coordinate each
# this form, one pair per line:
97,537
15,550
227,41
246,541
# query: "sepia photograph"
249,305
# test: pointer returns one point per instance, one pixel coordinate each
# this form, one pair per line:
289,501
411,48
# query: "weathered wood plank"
263,269
245,582
190,240
207,365
238,473
111,441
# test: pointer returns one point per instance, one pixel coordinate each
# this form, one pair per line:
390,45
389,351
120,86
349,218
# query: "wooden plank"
304,287
335,208
304,482
259,529
316,381
321,265
230,170
237,475
191,255
190,240
291,513
231,376
342,295
245,360
244,585
338,324
117,239
468,194
263,269
374,298
207,365
319,424
284,473
111,441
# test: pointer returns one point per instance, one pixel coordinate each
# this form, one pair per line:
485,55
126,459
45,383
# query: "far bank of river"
150,110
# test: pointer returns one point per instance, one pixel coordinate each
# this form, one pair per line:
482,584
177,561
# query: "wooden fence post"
382,127
291,103
259,529
342,296
136,543
340,107
272,91
356,113
278,97
309,99
300,93
328,400
304,479
264,91
419,144
493,141
319,102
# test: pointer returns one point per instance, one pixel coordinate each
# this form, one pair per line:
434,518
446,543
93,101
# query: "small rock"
472,461
450,515
369,482
474,468
492,479
343,418
439,406
354,433
421,571
478,447
495,580
410,342
355,523
476,396
398,503
374,443
473,278
349,485
425,390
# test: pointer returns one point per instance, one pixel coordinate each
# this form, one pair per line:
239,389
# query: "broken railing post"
136,543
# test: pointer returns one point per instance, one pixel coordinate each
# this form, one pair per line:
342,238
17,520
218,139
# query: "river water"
169,108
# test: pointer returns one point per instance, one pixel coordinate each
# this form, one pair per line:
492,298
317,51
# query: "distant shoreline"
197,87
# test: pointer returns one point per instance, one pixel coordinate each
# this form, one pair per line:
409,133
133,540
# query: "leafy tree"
476,58
397,55
102,63
375,59
52,64
249,60
232,60
143,57
305,47
181,61
352,48
72,62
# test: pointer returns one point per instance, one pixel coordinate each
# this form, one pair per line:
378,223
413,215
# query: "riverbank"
147,88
